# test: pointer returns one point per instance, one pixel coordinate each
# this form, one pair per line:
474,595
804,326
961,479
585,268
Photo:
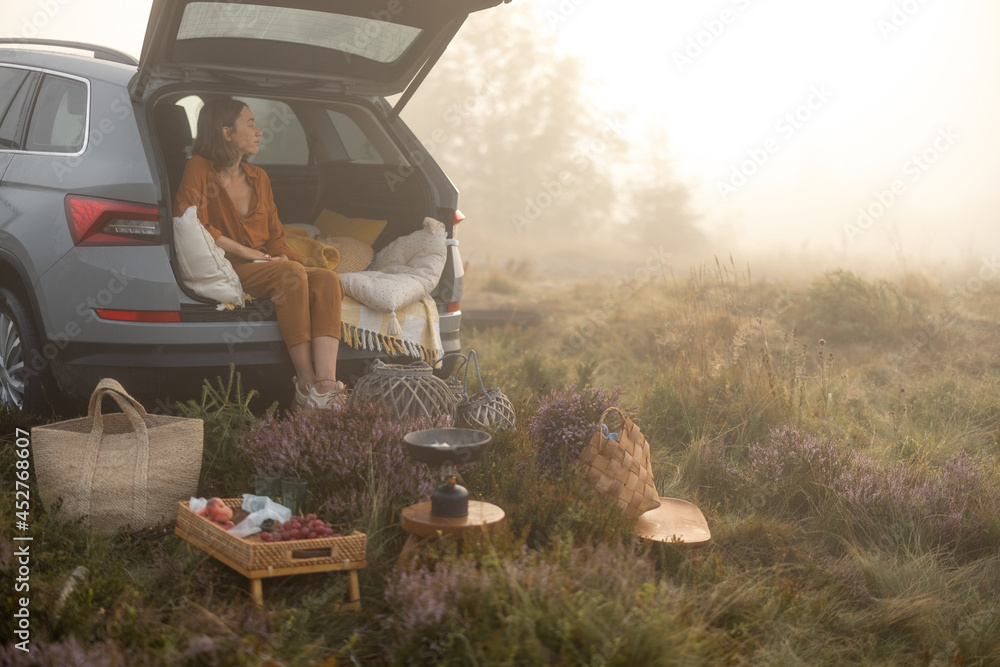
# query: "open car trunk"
319,155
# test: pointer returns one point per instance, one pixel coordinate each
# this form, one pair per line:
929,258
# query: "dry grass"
840,434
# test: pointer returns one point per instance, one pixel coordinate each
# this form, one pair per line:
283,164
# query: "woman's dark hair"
217,113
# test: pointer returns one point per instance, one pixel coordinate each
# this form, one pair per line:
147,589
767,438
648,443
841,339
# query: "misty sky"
890,101
785,117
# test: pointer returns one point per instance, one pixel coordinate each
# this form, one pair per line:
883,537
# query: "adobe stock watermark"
562,13
958,298
39,360
902,13
366,33
454,117
41,17
278,120
8,213
656,265
99,131
712,30
787,126
555,186
912,170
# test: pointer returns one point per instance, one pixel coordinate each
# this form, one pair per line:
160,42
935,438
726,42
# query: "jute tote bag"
620,469
126,469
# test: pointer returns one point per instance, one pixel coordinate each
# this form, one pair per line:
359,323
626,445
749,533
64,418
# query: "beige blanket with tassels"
365,329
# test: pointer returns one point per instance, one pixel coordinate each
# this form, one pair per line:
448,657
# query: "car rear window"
13,93
282,139
380,41
59,120
356,143
10,83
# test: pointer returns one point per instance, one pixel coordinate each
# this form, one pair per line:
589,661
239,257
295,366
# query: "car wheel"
20,387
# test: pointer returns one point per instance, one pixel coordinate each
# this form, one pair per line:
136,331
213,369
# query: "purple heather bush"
349,457
791,467
66,653
565,422
956,508
513,599
873,490
960,506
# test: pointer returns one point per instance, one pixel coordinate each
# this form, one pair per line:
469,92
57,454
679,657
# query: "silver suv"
92,149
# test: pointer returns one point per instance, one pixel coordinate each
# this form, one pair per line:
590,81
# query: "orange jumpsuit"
306,300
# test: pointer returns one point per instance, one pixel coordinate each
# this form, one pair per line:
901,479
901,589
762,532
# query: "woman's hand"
243,252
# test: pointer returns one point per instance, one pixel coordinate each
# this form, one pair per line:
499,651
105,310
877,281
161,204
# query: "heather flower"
869,487
349,457
955,508
66,653
426,600
565,422
960,505
791,467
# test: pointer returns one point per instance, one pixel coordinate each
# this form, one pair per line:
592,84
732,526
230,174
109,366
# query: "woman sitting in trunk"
235,204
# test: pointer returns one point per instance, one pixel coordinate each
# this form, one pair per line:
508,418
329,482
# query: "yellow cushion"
362,229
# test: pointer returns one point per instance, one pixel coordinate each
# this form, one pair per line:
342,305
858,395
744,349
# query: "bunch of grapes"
298,528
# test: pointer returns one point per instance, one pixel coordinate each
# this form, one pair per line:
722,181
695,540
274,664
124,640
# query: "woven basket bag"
118,470
620,469
486,409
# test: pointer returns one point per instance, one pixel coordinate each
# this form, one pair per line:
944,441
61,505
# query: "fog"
857,134
851,130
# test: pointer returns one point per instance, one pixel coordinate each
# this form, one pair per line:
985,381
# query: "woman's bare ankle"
323,386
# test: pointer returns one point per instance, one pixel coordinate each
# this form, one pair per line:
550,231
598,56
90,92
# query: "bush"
353,459
955,508
792,471
847,309
225,412
565,422
574,606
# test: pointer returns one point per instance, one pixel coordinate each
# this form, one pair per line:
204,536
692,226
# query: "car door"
367,47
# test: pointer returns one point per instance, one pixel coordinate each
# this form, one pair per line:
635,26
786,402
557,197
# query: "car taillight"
139,315
102,222
454,307
458,217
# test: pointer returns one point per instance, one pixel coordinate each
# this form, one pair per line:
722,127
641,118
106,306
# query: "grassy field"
839,433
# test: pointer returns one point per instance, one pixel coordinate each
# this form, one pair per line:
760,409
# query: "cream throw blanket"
363,328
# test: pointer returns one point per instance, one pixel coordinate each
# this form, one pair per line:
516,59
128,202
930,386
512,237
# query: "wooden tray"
253,554
674,520
258,560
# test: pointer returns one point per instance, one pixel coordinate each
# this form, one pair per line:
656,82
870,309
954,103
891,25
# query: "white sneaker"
334,399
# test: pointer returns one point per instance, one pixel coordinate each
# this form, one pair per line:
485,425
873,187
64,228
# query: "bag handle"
134,411
114,389
458,370
605,415
465,380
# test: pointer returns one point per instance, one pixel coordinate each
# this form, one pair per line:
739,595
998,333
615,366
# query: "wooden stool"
418,521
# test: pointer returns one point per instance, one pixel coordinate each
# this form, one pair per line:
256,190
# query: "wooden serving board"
674,520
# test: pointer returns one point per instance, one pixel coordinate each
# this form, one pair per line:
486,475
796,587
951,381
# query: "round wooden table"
418,521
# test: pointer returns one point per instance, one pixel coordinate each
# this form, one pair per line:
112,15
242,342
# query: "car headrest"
173,124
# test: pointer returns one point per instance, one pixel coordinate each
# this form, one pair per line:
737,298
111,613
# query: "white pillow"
404,272
202,264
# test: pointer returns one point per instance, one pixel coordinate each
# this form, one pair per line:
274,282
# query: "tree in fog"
510,120
660,212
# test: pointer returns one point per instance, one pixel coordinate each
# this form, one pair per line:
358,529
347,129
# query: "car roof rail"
100,52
